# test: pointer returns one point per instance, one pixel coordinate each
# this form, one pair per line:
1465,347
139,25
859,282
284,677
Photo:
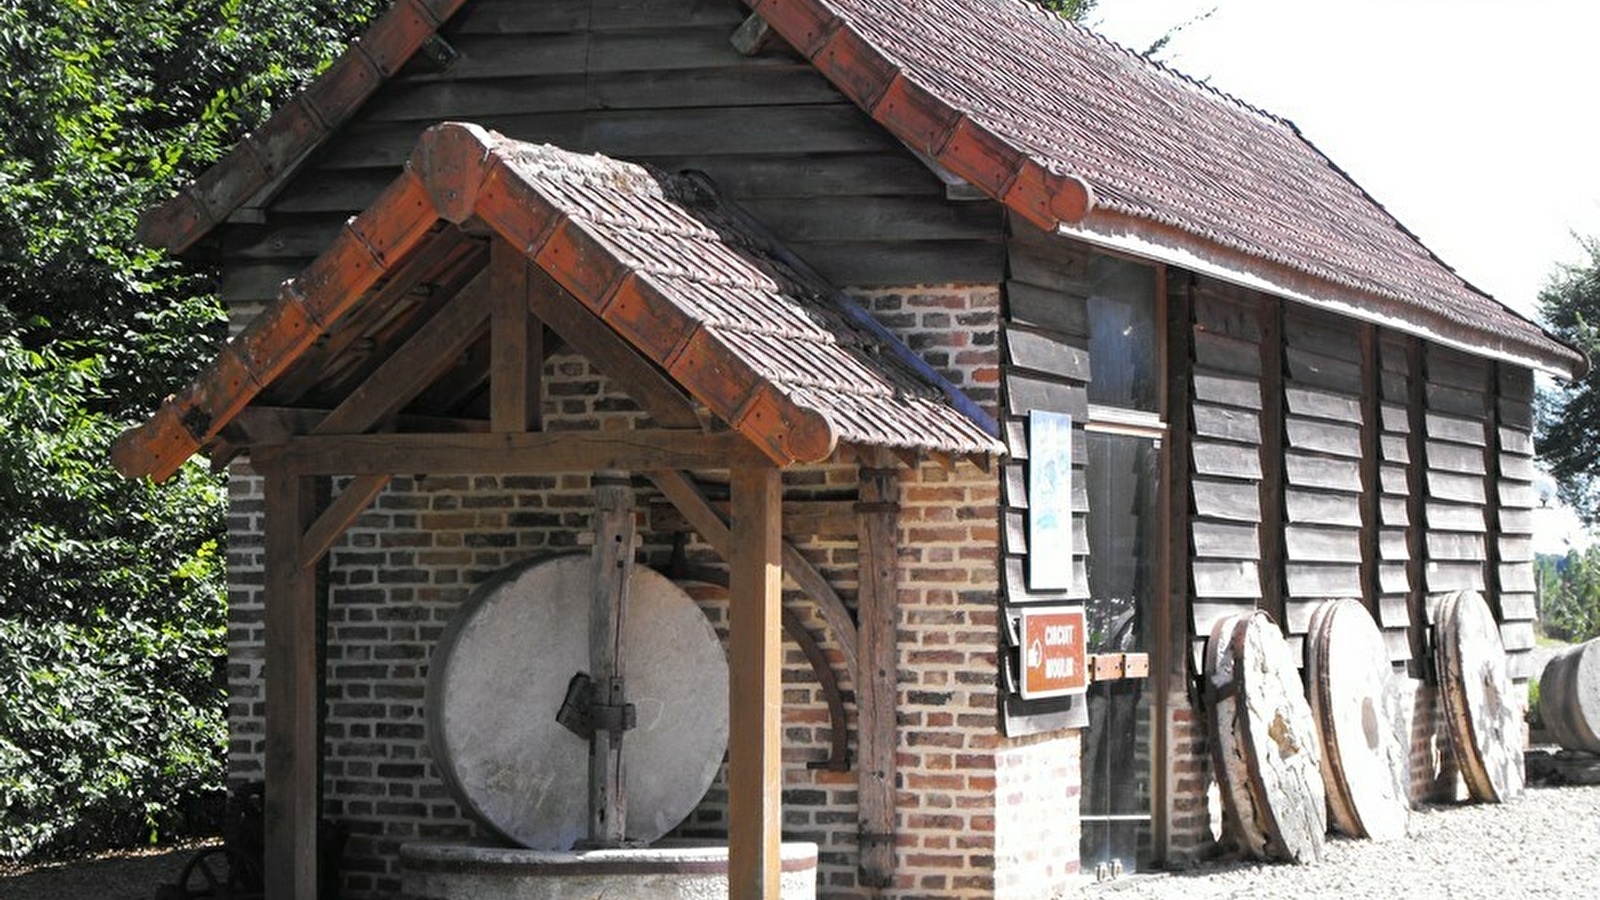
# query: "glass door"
1123,473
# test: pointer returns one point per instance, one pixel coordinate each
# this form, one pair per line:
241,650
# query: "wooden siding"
652,81
1323,452
1394,512
1224,462
1512,452
1045,337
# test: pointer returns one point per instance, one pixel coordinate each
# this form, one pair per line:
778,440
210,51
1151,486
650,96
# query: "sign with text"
1049,501
1053,652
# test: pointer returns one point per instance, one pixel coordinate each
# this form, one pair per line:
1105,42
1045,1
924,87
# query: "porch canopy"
415,344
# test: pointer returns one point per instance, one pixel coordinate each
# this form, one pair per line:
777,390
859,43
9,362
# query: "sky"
1473,122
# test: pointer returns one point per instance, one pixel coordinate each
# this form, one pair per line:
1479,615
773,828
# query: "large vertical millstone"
1366,763
499,676
1483,716
1268,758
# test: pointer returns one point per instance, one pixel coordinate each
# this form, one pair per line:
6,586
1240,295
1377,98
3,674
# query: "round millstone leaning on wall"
1366,766
1265,741
1482,714
499,676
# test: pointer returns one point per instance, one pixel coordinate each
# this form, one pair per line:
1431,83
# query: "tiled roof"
999,90
690,283
1069,130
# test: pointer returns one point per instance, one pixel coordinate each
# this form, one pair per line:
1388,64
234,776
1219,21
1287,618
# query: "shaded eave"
457,173
1043,194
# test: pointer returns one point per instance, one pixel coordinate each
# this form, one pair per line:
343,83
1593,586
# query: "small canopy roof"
1069,130
693,286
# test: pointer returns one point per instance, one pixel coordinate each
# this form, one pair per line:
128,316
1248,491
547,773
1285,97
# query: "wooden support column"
516,344
292,780
876,691
755,697
1417,510
613,563
1371,472
1274,590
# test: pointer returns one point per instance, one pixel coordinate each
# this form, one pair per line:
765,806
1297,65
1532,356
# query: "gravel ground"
1544,845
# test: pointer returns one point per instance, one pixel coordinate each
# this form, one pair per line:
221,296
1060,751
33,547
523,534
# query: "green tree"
1568,438
111,606
1076,10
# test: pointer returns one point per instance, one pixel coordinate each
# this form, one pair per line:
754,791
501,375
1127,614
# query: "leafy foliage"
1076,10
111,607
1569,415
1569,594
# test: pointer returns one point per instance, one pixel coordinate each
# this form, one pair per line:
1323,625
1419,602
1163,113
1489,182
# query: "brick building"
1264,392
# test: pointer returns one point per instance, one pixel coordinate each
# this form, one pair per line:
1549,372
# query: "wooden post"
755,699
1274,590
1371,472
1417,510
876,690
516,354
613,562
292,782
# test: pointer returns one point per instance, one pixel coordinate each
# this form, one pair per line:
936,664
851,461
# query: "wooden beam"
418,362
321,535
1491,507
687,497
277,424
613,563
1417,510
1173,625
876,693
292,702
1273,501
755,698
819,518
507,454
1371,471
650,387
516,355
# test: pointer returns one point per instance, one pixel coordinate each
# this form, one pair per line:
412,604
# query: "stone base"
668,871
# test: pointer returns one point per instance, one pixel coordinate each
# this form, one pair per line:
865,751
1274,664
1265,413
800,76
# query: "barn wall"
1328,459
656,82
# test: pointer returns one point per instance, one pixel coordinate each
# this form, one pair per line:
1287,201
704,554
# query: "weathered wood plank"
1213,458
1226,423
1458,488
1227,390
516,344
837,219
1227,500
1324,437
1323,472
376,454
1517,577
1320,404
1311,368
868,264
1223,309
293,785
877,692
1047,354
1455,517
1046,307
612,561
1227,354
1322,580
1224,579
1449,546
1448,457
1305,543
1458,399
1316,508
1024,393
1444,577
322,534
755,688
1518,607
1455,429
1225,540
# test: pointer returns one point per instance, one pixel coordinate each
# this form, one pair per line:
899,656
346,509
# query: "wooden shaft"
877,690
754,690
613,561
292,782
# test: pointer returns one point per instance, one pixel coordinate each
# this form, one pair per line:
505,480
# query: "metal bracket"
581,715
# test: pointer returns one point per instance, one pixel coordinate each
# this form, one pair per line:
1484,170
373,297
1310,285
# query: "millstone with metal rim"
1481,712
1265,741
1366,761
499,676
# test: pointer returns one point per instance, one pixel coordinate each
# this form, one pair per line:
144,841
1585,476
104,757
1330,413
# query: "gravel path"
120,876
1545,845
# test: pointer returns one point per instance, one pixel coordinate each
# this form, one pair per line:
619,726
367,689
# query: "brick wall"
979,815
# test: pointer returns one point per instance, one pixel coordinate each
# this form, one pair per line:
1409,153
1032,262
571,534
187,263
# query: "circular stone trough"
671,871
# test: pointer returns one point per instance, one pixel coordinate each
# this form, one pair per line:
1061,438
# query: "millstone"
1569,697
500,673
1366,765
1267,751
1483,718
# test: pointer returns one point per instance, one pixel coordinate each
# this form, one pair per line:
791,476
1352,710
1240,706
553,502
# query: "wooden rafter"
516,355
511,454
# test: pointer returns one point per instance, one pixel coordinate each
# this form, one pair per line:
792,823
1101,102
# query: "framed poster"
1049,501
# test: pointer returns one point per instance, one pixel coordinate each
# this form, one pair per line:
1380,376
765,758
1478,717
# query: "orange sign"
1053,652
